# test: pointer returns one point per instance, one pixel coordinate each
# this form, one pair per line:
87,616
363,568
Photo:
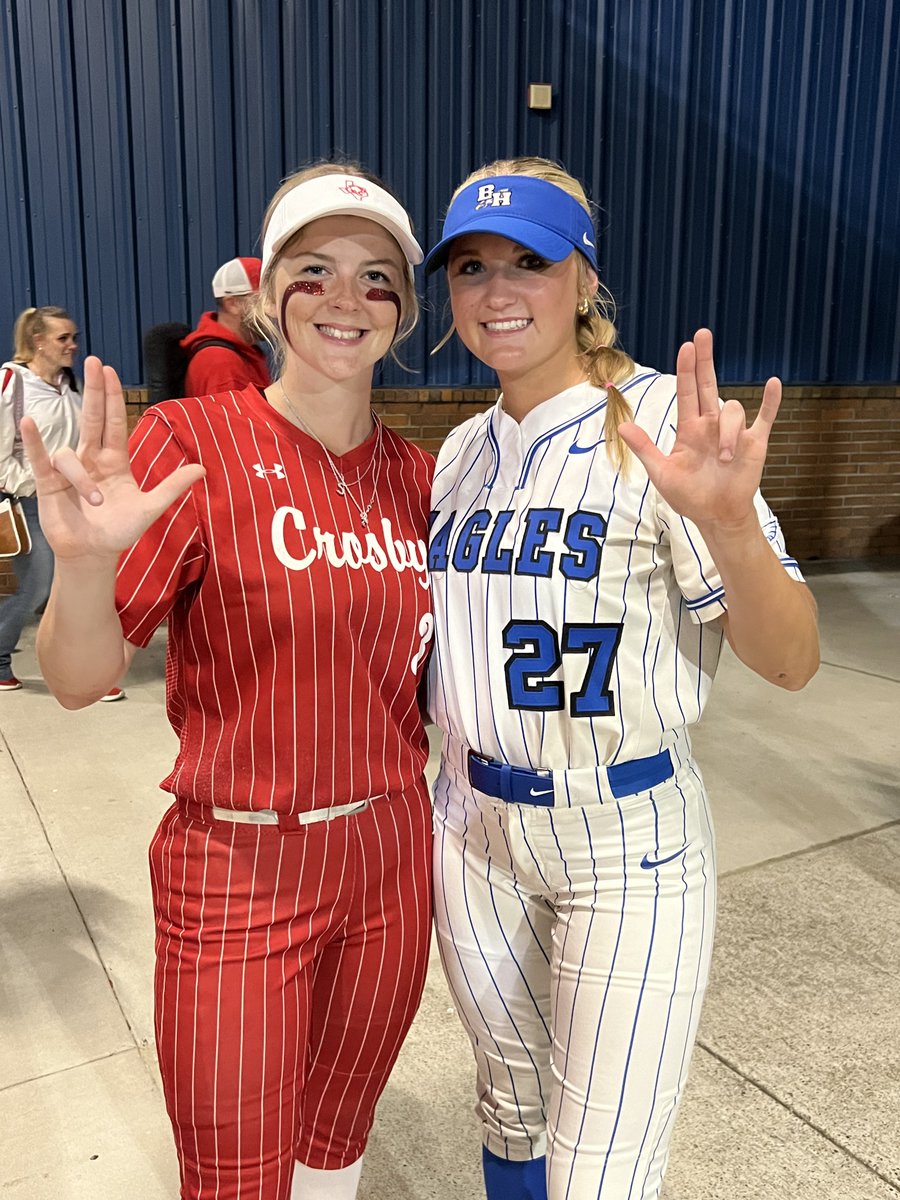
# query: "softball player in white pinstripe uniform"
593,537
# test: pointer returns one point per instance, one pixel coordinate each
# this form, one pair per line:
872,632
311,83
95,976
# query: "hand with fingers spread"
715,466
90,504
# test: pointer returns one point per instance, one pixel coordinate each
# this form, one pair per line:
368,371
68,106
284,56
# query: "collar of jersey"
553,413
558,415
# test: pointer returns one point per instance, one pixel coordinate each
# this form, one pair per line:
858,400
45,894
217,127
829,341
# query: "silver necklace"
343,487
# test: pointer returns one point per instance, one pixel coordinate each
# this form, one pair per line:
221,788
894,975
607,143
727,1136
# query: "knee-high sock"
504,1180
309,1184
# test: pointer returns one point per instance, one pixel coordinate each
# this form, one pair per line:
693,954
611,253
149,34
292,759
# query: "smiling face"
56,346
516,312
337,292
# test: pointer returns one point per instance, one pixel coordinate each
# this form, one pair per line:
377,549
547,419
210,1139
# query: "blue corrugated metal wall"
744,154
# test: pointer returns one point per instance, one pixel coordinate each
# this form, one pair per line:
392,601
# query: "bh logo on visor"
491,197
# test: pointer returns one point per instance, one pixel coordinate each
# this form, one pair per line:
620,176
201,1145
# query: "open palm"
90,504
715,466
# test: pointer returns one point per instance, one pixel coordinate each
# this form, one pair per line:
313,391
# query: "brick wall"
832,476
833,470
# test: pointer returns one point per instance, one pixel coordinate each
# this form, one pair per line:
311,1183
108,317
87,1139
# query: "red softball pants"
289,967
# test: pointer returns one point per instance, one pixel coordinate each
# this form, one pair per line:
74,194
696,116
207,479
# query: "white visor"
339,195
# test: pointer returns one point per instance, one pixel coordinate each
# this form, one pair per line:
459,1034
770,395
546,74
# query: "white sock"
310,1184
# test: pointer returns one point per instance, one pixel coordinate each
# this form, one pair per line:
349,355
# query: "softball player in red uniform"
593,538
282,534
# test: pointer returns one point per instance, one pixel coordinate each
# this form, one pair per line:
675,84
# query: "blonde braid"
605,364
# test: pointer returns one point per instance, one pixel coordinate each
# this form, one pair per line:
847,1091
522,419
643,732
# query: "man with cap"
217,367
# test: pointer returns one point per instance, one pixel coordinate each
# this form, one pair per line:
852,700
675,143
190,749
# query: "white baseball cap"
237,277
339,195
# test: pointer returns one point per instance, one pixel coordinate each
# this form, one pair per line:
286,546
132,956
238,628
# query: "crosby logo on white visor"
339,195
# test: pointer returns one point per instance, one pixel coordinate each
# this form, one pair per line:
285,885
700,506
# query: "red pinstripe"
289,965
289,969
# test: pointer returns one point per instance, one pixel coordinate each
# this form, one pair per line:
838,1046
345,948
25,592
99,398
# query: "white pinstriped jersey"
296,638
575,611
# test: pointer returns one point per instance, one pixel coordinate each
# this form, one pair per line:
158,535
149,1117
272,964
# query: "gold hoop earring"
584,307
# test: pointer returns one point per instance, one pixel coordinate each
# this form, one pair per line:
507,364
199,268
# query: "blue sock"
505,1180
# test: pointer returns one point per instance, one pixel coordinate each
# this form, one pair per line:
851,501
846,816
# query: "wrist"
86,566
739,537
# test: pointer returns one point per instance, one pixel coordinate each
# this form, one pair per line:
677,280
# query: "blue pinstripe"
531,852
508,944
566,937
687,1047
454,993
479,942
674,982
637,1009
593,859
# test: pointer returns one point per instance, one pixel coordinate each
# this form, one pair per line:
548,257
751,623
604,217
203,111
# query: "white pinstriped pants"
578,968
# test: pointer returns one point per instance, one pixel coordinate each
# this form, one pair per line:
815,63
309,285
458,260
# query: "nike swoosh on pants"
649,863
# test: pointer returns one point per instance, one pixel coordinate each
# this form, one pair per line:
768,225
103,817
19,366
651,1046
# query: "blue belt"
519,785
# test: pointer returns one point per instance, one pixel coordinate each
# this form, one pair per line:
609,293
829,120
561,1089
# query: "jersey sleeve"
695,571
693,564
15,474
171,555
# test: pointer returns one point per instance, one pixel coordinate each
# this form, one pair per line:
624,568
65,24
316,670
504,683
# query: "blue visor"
528,211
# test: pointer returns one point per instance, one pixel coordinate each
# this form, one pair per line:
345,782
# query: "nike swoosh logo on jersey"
649,863
576,449
543,792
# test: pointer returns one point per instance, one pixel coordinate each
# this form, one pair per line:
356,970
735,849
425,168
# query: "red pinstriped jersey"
297,638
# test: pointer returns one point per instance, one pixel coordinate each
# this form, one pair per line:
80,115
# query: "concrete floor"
795,1086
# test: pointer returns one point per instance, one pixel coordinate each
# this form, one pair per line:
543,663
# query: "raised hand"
90,505
716,463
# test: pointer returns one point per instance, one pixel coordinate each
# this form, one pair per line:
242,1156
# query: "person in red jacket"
217,368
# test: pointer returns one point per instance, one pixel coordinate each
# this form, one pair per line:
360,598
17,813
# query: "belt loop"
606,796
456,753
506,783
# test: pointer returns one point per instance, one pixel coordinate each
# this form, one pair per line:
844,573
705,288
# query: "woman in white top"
37,382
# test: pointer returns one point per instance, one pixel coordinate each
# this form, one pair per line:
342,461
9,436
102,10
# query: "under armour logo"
276,469
354,189
490,197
